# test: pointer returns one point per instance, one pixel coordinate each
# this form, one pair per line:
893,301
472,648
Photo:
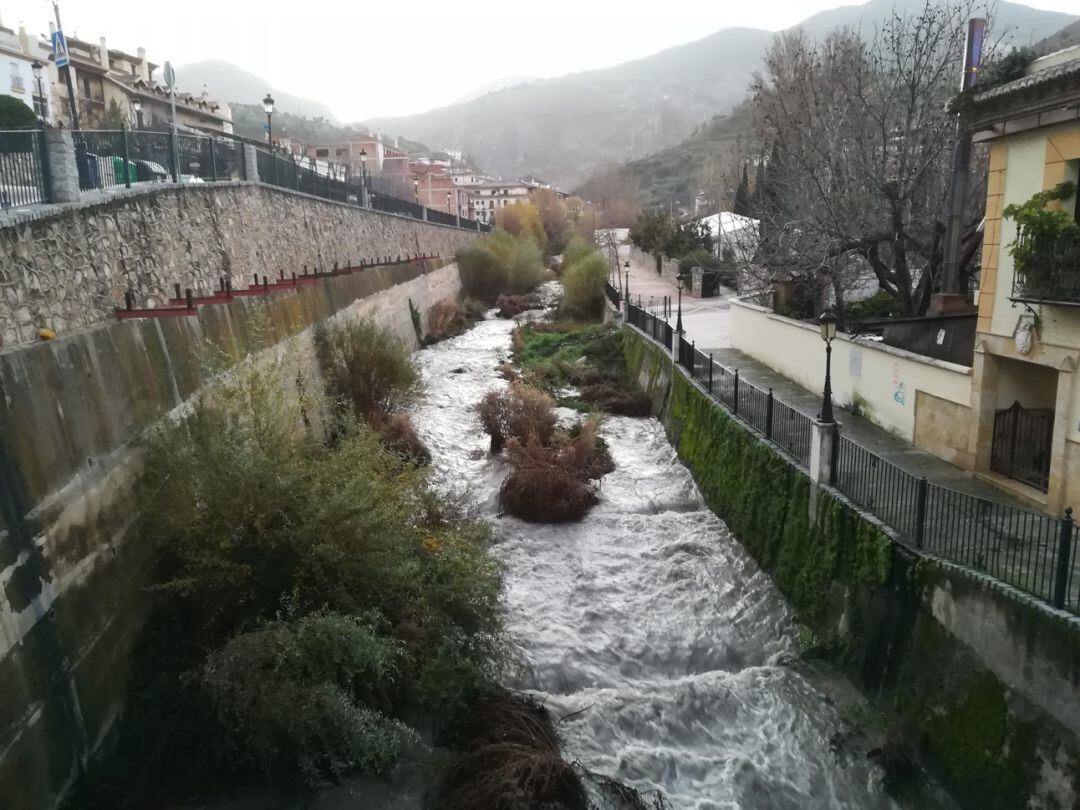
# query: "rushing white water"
648,620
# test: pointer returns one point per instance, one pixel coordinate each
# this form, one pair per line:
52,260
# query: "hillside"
1065,38
564,128
224,80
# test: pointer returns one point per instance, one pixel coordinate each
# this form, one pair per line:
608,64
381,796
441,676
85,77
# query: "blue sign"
59,49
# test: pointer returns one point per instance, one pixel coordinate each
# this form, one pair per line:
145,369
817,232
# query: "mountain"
564,128
492,86
227,82
1065,38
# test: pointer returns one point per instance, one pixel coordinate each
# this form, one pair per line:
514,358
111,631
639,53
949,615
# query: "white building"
19,52
488,197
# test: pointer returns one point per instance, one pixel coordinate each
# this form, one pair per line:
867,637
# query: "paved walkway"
998,534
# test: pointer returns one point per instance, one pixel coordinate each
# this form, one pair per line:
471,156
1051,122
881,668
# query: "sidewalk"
706,322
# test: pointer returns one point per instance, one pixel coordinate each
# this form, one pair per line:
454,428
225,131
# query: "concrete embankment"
72,411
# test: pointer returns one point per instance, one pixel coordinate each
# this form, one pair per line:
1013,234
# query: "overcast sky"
420,53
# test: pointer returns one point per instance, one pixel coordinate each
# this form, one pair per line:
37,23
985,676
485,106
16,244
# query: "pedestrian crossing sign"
59,49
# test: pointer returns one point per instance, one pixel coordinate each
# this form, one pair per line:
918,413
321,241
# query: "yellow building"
1025,419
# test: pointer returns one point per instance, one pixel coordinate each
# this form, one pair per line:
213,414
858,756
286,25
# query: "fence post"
823,445
46,170
768,415
173,167
710,372
63,166
127,156
251,163
213,159
735,394
1064,559
921,490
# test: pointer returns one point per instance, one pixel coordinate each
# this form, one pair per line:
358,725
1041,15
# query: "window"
17,85
322,153
41,107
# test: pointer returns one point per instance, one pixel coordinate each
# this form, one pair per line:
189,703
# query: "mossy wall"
887,617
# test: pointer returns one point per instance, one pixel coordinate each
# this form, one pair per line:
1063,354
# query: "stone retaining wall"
69,268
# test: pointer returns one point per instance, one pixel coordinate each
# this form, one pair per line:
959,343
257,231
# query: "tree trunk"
659,263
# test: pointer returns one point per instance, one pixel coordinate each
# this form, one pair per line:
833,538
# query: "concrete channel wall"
982,679
72,411
69,266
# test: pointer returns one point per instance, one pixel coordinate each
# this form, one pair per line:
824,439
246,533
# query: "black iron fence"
122,158
24,176
1046,268
612,293
1031,551
655,327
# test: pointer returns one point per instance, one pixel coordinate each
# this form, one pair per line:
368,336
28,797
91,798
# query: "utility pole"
952,298
67,74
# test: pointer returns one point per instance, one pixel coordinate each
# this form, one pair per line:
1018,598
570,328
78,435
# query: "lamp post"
827,324
448,196
416,188
268,108
36,66
626,287
136,104
626,267
681,278
363,167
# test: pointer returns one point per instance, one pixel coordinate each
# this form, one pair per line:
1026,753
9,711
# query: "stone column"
63,169
823,436
251,163
676,339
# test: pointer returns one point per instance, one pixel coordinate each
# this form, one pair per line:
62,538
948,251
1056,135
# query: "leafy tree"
651,232
742,195
500,263
14,114
553,218
522,219
687,236
114,116
583,287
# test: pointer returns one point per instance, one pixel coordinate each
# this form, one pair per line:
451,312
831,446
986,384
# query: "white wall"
881,378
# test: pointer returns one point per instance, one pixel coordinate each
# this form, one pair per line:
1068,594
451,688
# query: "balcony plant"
1046,251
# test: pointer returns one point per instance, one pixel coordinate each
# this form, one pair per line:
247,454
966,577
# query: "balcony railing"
1048,269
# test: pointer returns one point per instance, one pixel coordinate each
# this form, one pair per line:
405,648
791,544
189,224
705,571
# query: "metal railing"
1031,551
24,178
122,158
612,293
1048,268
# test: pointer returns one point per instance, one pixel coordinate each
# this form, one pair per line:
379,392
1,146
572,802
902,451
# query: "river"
647,623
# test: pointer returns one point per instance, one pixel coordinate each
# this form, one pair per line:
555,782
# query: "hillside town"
700,430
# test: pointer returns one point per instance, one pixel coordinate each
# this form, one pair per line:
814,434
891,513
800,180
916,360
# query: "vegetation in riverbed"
584,272
588,357
552,471
500,263
317,605
370,376
451,318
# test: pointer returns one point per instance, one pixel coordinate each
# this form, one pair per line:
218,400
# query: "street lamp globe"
268,104
36,66
136,105
827,324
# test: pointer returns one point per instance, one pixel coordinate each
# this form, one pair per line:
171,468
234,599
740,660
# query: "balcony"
1047,269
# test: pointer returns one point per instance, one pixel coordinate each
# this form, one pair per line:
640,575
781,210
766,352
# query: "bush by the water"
510,306
552,471
309,597
583,287
552,356
366,367
576,250
451,318
500,263
512,760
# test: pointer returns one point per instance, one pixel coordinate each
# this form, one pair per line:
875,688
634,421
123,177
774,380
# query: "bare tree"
860,142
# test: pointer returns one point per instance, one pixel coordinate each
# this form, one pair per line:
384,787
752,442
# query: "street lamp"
827,324
36,66
448,196
416,188
268,108
363,167
625,267
136,104
682,278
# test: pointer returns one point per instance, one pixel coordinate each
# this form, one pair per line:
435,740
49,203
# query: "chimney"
144,66
103,55
24,40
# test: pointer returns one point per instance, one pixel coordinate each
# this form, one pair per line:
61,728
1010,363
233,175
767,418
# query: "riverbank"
982,685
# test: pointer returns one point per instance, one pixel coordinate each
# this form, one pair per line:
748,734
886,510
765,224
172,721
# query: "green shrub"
304,695
391,598
583,288
500,263
576,250
14,114
366,367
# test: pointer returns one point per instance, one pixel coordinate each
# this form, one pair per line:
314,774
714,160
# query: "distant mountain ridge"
562,129
225,81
